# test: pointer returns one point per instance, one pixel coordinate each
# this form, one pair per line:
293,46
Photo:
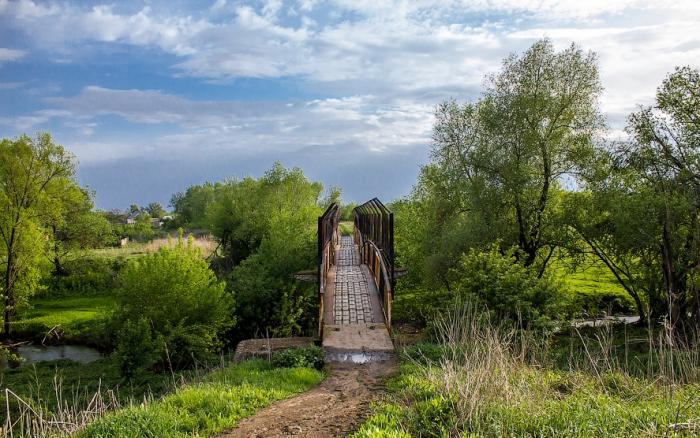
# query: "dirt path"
333,409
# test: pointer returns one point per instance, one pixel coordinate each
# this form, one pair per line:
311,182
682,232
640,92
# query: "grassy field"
592,287
206,244
70,316
483,380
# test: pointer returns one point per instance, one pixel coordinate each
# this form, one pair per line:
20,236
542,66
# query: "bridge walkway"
354,321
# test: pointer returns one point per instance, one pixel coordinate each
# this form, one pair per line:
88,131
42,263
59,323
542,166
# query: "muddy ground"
333,409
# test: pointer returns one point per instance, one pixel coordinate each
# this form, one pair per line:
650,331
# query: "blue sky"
155,96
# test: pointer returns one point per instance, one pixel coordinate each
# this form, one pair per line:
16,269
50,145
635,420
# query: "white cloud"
10,54
365,121
389,62
396,47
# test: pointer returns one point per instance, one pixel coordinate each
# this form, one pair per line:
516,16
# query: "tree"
266,233
499,160
191,207
613,224
155,210
35,175
656,175
243,210
78,227
332,195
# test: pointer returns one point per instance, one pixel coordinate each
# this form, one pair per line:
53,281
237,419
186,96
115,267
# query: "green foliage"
640,213
498,160
346,211
310,357
190,208
84,275
36,181
418,305
179,297
77,229
155,210
209,407
141,231
506,287
138,348
266,233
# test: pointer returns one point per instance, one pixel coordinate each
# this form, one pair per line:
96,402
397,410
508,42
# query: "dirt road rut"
333,409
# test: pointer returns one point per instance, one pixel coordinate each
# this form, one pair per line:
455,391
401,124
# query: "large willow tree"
497,162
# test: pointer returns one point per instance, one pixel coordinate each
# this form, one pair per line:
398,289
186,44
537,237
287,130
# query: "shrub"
85,276
308,357
136,348
508,289
184,305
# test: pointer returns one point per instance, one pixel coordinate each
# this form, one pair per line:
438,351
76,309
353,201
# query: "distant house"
131,217
155,222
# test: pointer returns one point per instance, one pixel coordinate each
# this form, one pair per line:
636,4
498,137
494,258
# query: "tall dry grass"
206,244
33,418
487,363
70,410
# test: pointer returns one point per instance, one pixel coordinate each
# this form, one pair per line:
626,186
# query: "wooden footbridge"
356,279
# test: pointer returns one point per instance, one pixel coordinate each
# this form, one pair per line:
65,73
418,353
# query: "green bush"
84,276
507,288
309,357
184,305
137,347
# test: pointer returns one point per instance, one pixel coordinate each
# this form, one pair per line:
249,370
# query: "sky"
155,96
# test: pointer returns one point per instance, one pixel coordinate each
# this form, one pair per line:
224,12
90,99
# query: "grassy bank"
70,319
64,398
210,406
479,379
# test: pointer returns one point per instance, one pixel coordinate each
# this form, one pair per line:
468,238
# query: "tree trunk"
9,286
673,286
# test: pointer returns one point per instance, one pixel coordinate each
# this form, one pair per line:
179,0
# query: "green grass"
75,317
216,403
593,289
346,228
547,403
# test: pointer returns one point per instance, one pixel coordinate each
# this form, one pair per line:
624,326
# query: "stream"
78,353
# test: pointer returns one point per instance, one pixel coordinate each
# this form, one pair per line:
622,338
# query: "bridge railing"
327,240
374,236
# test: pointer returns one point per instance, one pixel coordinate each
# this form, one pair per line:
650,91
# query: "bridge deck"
353,312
